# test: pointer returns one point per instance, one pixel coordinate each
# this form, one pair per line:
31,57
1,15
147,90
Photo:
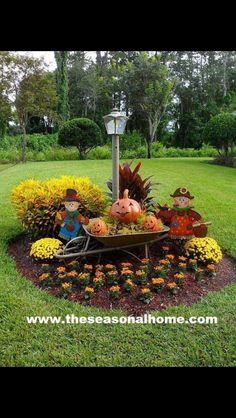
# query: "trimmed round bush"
82,133
220,131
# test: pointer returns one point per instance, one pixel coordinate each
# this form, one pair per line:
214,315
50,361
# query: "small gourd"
151,224
99,227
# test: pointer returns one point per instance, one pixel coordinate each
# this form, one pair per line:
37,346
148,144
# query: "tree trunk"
98,58
152,132
226,149
24,144
224,81
149,149
127,105
81,153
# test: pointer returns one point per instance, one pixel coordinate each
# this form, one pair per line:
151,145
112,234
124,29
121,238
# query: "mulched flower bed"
190,292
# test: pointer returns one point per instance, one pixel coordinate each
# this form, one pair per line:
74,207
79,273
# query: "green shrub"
36,142
160,151
207,151
58,153
131,141
140,152
80,132
30,156
61,154
39,142
220,131
11,156
100,153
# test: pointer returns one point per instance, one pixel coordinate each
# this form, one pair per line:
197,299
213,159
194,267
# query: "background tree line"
169,95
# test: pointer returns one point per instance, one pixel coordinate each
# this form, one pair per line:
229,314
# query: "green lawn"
4,166
214,189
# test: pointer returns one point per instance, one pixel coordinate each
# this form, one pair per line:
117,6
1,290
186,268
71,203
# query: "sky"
49,56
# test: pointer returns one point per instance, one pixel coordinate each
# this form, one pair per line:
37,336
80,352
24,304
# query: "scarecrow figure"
180,218
70,220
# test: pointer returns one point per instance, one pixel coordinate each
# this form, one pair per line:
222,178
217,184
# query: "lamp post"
115,124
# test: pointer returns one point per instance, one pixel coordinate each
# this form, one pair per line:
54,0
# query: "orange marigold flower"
109,266
115,288
182,265
83,275
210,267
66,285
159,280
164,262
88,266
179,276
97,279
44,276
126,264
126,271
72,274
182,258
99,267
61,269
170,256
145,260
130,282
145,290
192,261
112,273
158,268
140,273
172,285
99,273
89,290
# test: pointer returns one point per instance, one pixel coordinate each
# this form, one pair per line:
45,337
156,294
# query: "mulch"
189,293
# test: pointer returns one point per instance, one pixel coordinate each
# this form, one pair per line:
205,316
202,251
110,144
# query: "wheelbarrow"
89,244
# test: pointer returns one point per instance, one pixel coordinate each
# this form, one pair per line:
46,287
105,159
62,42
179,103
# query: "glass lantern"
115,122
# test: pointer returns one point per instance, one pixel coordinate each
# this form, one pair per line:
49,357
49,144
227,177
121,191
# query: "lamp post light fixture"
115,124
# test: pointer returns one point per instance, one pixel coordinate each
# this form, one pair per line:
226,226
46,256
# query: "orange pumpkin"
99,227
151,223
125,210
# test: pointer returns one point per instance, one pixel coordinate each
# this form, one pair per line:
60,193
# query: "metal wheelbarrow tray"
121,240
91,244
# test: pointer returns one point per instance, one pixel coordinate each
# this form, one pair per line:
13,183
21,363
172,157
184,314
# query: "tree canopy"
169,96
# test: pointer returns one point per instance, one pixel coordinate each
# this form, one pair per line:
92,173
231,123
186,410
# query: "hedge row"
101,153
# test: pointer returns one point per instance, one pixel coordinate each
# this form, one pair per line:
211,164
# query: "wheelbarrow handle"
201,223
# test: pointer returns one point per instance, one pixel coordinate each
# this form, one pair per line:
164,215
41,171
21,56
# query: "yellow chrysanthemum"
45,248
205,250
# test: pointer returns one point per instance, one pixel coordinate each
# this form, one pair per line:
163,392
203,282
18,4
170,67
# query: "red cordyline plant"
139,189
